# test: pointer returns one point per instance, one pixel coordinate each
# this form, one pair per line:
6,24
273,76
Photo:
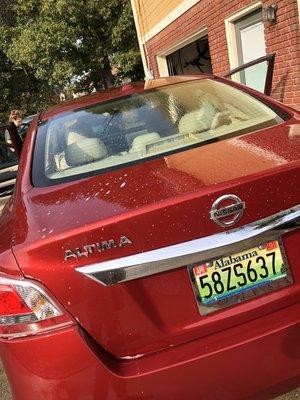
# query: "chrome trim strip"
167,258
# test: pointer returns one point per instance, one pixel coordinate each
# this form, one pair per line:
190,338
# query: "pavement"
290,396
5,392
4,386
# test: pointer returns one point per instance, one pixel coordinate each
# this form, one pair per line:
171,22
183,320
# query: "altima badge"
88,249
220,214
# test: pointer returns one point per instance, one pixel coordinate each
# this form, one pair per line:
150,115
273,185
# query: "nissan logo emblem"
233,207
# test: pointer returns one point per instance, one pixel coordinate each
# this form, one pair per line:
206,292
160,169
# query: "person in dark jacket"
12,136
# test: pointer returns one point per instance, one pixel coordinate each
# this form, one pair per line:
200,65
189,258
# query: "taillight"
27,309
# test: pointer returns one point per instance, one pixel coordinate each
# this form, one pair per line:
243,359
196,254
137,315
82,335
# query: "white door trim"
231,35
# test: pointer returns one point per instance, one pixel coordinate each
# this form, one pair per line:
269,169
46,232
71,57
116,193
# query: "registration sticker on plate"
237,277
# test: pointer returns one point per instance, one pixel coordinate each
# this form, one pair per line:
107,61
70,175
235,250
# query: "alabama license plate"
237,277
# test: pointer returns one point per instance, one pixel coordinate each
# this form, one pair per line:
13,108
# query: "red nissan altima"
151,247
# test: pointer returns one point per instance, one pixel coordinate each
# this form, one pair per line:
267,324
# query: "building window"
191,59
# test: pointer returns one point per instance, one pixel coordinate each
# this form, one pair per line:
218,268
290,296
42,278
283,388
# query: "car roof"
116,92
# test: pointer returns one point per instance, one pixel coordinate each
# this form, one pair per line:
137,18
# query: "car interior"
155,122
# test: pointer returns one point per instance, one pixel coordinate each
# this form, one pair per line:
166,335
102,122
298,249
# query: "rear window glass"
142,126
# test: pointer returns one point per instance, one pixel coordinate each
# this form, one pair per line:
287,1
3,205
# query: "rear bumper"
258,360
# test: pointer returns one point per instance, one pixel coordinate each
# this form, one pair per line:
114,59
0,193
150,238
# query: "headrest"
85,151
198,120
139,143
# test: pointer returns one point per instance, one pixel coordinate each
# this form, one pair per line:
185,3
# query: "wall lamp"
270,13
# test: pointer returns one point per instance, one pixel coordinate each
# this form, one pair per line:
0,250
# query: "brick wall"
282,38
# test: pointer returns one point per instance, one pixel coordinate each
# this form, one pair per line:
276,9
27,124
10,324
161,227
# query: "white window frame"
231,34
161,58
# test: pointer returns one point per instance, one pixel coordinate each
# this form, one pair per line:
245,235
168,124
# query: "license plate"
237,277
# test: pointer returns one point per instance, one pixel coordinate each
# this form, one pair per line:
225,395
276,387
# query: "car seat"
198,120
140,142
85,151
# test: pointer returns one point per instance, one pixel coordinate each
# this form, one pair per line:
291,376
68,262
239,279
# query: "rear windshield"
142,126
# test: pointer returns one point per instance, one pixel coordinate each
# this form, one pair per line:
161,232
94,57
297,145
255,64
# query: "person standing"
12,136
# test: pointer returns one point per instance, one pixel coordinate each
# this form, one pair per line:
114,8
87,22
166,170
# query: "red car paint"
145,338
